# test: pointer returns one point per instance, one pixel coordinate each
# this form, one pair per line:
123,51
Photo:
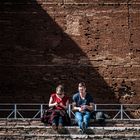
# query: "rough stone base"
35,130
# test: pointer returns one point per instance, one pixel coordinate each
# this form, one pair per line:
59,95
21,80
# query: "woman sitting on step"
59,103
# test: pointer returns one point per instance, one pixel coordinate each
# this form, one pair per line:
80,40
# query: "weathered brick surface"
43,43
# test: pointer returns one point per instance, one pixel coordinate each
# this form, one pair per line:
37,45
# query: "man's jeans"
82,117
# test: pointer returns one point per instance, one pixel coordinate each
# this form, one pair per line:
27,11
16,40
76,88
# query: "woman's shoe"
60,126
61,129
54,127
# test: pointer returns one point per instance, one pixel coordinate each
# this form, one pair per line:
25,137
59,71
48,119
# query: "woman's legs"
60,121
54,123
57,121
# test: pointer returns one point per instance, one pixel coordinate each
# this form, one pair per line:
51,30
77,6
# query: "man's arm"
75,108
80,109
90,106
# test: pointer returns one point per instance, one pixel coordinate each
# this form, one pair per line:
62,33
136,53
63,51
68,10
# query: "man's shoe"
80,131
84,127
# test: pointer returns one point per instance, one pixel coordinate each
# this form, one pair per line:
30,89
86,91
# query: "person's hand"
61,104
56,104
81,109
84,107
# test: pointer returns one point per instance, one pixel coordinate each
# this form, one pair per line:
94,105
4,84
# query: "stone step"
69,137
132,133
35,130
66,130
28,122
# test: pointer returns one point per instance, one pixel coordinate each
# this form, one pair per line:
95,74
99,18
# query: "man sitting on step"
83,106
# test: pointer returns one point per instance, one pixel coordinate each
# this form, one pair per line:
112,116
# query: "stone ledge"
31,122
41,130
84,136
73,127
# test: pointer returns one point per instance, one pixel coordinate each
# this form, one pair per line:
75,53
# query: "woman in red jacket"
59,101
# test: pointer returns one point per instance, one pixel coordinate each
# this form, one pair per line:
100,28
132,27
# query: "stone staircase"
35,130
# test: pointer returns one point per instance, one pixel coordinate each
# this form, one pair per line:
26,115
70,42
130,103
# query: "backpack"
101,117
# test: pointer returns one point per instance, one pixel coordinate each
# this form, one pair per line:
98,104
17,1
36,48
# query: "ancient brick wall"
47,42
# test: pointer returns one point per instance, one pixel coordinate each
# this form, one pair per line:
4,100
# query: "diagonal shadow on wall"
36,55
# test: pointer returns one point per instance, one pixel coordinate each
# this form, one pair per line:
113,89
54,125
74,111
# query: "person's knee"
87,117
79,119
86,121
